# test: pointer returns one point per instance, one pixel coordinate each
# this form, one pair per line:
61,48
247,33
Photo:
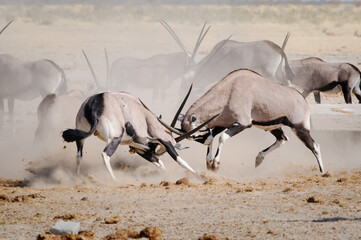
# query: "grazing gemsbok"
27,81
157,72
315,75
121,119
244,98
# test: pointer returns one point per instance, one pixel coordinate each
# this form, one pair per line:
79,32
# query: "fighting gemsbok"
121,119
243,99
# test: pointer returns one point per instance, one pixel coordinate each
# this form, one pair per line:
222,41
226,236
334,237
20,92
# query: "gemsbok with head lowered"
121,119
315,75
27,81
243,99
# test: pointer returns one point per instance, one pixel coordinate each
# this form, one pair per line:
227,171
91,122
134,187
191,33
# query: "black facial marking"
94,108
170,149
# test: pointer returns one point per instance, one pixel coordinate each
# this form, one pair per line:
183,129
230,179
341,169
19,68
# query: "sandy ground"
285,198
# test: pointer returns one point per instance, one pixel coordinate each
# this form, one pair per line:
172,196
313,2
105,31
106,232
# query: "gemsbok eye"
193,118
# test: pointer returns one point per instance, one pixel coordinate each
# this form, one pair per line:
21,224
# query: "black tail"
72,135
93,109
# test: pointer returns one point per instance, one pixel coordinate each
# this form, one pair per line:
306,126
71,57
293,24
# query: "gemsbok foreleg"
317,96
304,135
209,142
235,129
281,138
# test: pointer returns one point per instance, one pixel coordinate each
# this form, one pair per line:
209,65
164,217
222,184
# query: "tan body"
315,75
121,119
244,98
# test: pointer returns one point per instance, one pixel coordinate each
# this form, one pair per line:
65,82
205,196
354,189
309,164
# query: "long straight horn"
172,129
188,134
181,107
199,41
210,58
6,26
92,71
285,41
107,65
175,37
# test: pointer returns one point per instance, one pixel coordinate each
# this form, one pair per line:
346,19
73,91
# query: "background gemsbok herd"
235,86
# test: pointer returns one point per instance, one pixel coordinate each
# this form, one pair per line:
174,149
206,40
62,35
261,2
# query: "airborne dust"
61,38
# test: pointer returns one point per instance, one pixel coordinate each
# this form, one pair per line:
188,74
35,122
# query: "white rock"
62,227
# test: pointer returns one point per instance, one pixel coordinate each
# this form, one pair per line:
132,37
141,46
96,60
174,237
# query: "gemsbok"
121,119
263,57
27,81
244,99
157,72
315,75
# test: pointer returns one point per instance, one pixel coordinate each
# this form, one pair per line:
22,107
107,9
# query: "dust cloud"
51,162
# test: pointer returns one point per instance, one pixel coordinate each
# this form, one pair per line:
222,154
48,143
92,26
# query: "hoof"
213,166
259,160
209,165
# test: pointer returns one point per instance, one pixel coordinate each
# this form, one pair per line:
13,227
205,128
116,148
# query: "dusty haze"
60,32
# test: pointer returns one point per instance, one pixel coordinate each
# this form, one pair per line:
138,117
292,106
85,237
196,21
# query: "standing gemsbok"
243,99
121,119
157,72
27,81
315,75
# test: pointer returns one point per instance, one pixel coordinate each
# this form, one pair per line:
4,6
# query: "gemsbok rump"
243,99
121,119
315,75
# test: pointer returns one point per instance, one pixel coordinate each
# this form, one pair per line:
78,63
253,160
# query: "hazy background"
60,30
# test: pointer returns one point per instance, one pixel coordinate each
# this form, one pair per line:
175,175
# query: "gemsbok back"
244,99
315,75
121,119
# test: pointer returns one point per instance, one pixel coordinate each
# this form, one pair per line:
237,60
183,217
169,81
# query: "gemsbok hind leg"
108,152
281,138
79,154
304,135
235,129
317,96
357,93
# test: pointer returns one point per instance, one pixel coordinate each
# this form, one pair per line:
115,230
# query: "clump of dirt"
82,235
211,237
13,183
152,233
313,200
68,216
182,181
112,220
20,198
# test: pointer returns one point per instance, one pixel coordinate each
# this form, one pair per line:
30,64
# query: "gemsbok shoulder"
244,99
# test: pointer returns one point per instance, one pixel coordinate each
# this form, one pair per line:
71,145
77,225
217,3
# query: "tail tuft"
72,135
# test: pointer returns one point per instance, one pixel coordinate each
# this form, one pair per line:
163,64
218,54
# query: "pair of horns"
95,78
179,42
